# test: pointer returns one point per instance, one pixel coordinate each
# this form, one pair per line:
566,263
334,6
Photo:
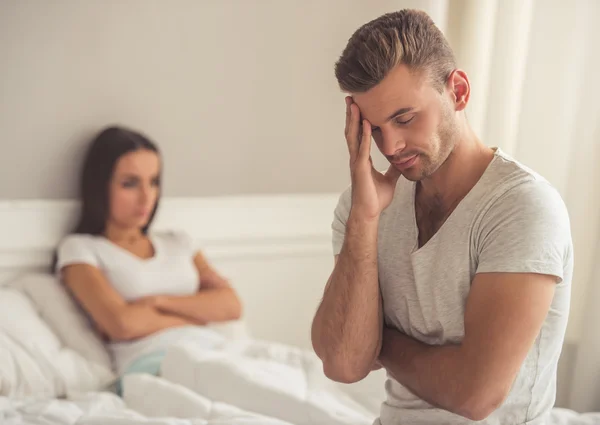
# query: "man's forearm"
443,375
346,331
428,371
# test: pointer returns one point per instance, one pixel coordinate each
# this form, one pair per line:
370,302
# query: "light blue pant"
149,363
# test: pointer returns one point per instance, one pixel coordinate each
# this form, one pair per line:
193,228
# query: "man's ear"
460,88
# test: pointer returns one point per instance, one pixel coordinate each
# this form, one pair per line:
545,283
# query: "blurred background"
241,98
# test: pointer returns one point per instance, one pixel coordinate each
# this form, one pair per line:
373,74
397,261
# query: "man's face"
413,125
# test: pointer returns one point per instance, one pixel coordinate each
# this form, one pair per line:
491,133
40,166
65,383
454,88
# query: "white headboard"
275,249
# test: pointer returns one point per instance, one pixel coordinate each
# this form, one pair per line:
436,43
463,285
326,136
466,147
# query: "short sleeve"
340,217
526,230
76,249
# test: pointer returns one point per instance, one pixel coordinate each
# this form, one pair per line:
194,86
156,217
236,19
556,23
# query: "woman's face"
134,189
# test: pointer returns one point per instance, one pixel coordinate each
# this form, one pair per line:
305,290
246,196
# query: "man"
453,268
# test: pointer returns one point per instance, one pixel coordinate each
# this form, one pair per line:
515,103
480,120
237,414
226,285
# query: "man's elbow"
477,411
337,364
480,404
338,371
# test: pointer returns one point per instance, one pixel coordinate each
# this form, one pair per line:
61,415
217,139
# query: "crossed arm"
503,316
216,301
120,320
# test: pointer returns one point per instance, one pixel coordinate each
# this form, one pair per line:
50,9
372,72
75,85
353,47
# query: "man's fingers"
348,103
352,135
365,143
392,173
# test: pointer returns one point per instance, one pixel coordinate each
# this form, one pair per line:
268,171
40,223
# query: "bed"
53,366
54,369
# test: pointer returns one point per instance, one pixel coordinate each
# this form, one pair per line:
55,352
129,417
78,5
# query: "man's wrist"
356,220
361,237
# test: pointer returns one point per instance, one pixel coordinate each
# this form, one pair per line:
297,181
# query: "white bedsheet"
162,409
108,409
274,380
247,383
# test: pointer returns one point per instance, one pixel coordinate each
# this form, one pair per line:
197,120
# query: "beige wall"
240,95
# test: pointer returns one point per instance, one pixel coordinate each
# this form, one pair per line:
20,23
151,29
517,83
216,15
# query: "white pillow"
34,362
63,315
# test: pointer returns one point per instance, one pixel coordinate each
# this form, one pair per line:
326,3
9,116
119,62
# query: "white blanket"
108,409
270,379
277,381
245,383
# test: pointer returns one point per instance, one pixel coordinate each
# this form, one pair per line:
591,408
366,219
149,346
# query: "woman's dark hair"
109,145
98,166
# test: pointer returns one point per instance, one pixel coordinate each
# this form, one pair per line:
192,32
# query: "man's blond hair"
407,37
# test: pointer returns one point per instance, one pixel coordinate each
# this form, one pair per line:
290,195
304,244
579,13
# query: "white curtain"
535,73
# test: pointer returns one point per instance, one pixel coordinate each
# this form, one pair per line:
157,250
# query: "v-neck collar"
480,183
119,248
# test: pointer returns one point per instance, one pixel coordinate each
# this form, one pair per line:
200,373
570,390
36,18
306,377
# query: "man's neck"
459,173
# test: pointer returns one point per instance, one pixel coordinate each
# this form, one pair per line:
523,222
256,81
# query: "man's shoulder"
513,184
521,201
518,201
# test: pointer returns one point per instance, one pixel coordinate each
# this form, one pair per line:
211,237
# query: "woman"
147,291
143,291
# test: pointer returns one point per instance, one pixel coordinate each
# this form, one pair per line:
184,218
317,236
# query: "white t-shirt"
171,271
512,220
